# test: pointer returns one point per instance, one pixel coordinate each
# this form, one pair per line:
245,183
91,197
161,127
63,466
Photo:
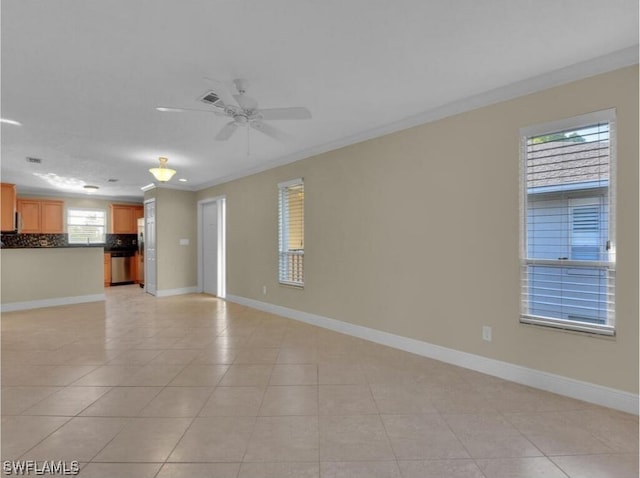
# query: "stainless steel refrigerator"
141,251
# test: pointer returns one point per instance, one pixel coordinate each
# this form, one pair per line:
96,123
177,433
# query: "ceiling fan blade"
269,130
226,131
171,109
293,113
223,93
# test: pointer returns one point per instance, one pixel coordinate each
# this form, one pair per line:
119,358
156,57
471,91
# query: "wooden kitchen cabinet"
124,218
41,216
52,217
139,269
121,219
9,204
107,269
134,268
29,216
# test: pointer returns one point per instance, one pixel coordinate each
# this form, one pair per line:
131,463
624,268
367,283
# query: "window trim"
93,209
281,186
608,115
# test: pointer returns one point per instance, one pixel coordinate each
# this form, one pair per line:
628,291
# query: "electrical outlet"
264,290
486,333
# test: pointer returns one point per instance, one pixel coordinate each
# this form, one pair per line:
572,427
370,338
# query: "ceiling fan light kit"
162,173
243,111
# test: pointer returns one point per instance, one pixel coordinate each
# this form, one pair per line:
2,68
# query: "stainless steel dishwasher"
122,267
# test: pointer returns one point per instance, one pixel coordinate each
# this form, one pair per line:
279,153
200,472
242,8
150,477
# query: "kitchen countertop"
75,246
113,242
68,246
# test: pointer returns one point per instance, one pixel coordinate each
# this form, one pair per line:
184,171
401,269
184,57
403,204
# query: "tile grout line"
263,325
52,432
384,426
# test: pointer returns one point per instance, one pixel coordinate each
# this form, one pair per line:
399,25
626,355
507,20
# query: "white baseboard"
181,291
38,304
588,392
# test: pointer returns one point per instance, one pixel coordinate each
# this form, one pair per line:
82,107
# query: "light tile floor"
193,386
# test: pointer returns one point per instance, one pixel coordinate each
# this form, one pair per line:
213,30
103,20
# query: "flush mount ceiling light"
90,189
162,173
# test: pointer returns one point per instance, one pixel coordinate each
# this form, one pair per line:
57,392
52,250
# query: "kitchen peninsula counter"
68,246
34,277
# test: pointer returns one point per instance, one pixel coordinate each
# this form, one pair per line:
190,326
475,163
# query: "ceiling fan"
243,111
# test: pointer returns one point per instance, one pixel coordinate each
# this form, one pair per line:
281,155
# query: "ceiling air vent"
211,98
34,160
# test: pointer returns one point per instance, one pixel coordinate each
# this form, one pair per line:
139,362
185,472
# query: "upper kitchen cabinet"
29,215
41,216
8,204
121,219
124,218
52,217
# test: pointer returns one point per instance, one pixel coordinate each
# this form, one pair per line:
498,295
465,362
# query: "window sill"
291,285
594,330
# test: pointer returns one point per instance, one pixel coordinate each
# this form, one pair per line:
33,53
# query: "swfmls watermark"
40,468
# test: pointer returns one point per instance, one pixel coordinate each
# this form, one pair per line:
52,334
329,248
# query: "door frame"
146,235
222,247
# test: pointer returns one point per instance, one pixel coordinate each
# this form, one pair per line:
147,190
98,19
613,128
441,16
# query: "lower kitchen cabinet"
107,269
139,269
136,274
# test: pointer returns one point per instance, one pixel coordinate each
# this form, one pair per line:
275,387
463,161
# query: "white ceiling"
84,76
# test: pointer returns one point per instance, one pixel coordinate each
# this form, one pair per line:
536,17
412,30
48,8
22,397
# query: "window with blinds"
86,226
567,224
291,232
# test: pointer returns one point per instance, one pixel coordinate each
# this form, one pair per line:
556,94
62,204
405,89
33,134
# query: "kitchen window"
291,232
567,224
86,226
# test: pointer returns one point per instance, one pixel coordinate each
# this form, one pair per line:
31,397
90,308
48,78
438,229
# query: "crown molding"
578,71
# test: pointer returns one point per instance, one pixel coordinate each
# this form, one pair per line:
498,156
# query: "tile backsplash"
121,241
113,241
16,241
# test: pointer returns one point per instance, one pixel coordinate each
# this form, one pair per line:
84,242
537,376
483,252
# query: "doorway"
211,250
150,271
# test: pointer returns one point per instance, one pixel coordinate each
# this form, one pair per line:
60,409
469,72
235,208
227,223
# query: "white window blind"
86,226
588,236
567,227
291,232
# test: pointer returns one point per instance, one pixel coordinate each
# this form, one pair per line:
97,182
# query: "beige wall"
416,233
54,273
175,220
79,202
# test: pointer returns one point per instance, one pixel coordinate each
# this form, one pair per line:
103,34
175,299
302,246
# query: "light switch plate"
184,242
